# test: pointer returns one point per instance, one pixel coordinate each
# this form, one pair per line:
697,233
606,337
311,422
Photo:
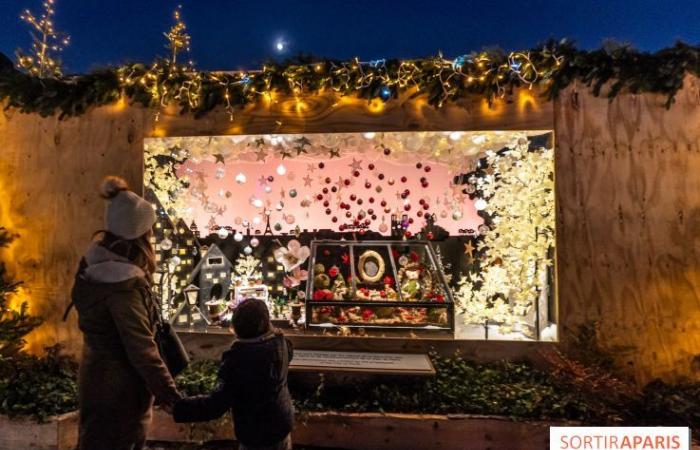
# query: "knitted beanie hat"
127,215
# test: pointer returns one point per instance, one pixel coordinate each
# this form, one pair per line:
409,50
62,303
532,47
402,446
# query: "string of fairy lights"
490,74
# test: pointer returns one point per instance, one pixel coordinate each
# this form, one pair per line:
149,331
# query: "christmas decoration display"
42,61
178,38
377,284
213,277
516,189
489,73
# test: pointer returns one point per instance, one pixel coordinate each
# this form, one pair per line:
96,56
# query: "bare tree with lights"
178,38
42,61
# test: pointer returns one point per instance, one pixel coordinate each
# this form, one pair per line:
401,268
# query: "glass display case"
377,284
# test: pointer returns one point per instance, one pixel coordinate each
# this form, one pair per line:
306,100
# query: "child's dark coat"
253,385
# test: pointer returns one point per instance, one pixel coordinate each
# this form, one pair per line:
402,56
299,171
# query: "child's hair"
251,319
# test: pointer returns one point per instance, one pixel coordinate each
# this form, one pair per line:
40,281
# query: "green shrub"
39,387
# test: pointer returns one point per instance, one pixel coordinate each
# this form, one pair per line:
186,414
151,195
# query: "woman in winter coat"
121,370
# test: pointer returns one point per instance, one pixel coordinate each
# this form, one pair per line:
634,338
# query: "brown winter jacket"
121,369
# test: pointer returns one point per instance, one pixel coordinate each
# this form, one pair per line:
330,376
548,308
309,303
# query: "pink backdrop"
215,193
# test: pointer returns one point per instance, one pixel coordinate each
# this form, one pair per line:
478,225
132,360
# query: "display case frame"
388,243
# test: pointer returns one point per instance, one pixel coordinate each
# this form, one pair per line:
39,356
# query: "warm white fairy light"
46,42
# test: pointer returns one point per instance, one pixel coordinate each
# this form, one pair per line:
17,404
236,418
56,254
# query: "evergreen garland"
489,74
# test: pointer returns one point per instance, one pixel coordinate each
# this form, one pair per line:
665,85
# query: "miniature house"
213,275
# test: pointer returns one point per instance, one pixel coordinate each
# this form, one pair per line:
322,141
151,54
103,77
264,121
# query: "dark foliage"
490,74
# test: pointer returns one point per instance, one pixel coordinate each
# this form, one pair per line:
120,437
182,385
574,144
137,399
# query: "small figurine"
410,286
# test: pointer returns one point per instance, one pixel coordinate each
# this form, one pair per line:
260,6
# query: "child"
252,384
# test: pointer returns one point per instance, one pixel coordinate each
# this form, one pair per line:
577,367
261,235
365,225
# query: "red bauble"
359,201
356,173
407,207
325,190
368,185
319,197
427,168
270,178
328,211
353,197
334,219
421,201
321,165
326,203
407,234
419,213
404,179
348,214
326,252
423,179
374,217
387,151
419,165
425,185
346,182
383,203
410,220
380,176
426,206
429,235
370,211
328,180
371,199
404,195
371,166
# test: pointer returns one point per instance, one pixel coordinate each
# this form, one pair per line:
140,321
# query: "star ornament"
355,164
469,249
334,152
219,158
307,180
260,155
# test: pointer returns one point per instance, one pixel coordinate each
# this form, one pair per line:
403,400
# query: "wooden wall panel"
49,176
628,200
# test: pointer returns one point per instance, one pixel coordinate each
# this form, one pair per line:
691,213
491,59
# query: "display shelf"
377,284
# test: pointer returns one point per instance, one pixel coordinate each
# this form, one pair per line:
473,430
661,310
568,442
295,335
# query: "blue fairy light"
385,93
515,66
377,63
459,62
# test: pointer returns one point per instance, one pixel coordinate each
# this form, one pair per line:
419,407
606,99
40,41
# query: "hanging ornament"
238,236
456,214
248,250
220,172
166,244
385,93
279,206
378,189
240,178
480,204
292,193
281,170
222,233
268,189
254,242
278,226
245,223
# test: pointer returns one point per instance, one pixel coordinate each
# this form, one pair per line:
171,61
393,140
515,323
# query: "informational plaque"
369,362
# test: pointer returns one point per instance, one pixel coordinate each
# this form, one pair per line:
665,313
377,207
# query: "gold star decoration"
218,158
355,164
261,155
469,249
334,152
307,180
285,154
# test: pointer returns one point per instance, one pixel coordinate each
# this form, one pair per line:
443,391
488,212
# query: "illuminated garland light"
489,74
46,42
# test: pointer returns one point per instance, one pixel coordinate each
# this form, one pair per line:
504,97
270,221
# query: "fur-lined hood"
104,266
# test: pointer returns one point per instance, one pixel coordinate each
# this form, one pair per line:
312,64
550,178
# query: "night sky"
234,34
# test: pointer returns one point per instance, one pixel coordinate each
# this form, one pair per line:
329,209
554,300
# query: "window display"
429,232
377,284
